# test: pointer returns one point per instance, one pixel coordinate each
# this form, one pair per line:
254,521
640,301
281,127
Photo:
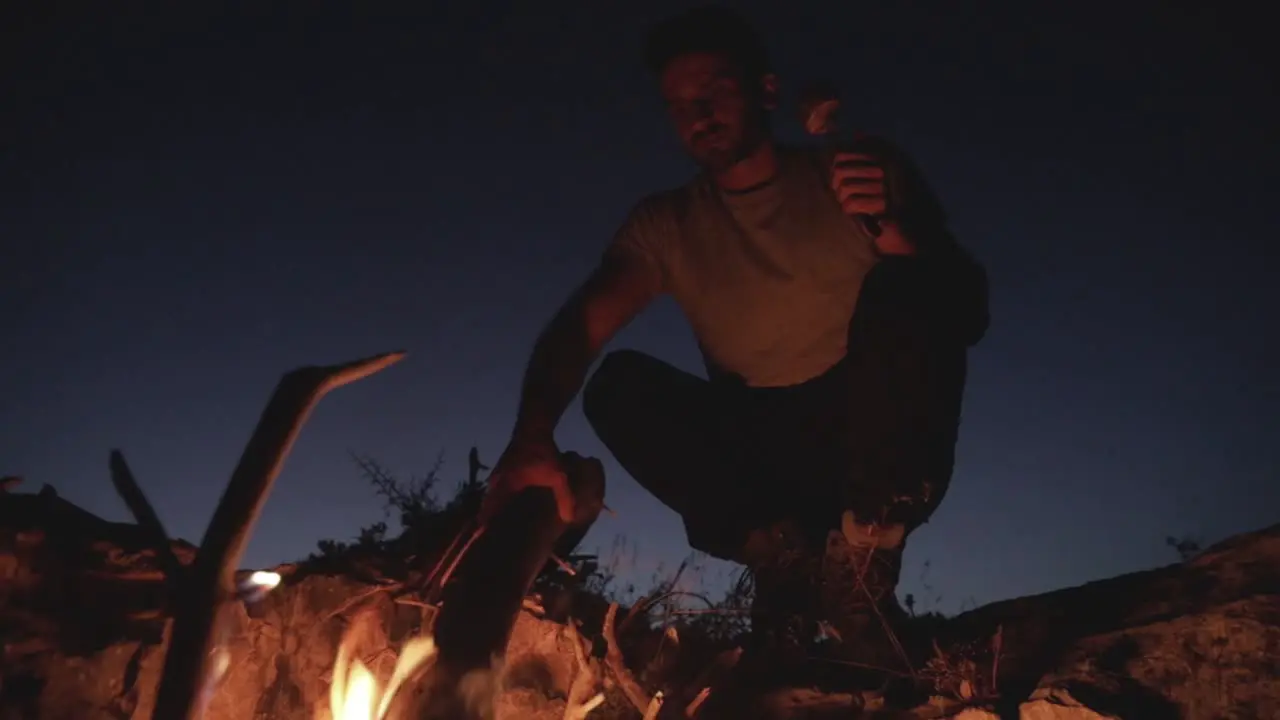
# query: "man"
834,311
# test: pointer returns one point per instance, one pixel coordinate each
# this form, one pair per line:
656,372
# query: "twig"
642,605
654,706
681,612
414,603
581,701
442,561
864,666
695,704
212,578
357,599
618,666
884,622
564,566
129,490
711,677
475,535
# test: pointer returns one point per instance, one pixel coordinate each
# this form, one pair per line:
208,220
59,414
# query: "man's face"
719,120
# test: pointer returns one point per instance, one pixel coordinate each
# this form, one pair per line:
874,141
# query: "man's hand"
526,464
859,182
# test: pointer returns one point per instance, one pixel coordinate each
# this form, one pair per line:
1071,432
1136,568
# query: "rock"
1191,640
975,714
1057,704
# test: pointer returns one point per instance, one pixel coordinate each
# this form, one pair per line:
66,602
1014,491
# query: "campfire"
372,677
203,590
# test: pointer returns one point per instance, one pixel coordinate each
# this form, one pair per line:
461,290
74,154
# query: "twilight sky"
194,205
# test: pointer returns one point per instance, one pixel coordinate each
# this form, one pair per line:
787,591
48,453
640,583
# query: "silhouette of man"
835,350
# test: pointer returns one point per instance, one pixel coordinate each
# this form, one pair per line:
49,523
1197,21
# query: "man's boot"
860,614
783,622
778,675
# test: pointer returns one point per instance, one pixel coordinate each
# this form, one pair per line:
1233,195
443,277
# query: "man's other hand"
860,184
858,180
525,464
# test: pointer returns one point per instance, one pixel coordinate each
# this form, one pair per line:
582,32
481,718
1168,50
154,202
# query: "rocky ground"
83,628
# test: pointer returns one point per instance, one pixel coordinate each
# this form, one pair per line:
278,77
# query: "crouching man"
834,311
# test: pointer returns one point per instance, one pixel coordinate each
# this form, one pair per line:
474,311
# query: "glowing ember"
356,694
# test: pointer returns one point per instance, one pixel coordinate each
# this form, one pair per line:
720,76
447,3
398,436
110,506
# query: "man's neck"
754,170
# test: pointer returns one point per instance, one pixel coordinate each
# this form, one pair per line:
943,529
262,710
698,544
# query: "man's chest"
789,251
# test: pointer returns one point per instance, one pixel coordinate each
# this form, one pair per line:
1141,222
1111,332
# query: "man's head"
714,75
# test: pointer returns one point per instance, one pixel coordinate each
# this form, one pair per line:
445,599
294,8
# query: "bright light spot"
265,579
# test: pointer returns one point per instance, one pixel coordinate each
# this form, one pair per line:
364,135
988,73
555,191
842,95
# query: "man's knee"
936,298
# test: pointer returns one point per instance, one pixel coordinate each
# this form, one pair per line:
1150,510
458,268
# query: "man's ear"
769,91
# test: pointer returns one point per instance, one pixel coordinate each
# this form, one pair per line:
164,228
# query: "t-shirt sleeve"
646,236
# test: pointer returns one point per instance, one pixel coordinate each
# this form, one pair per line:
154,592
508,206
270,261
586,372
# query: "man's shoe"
860,617
783,622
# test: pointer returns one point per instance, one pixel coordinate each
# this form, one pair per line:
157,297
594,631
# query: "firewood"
210,583
129,490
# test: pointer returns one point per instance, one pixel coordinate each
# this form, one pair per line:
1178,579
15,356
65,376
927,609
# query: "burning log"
202,590
488,582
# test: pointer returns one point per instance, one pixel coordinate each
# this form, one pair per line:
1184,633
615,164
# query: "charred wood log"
484,593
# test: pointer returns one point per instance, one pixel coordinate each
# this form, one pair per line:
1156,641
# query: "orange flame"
356,693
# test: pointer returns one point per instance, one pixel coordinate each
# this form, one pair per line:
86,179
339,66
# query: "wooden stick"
618,666
148,521
654,707
710,679
483,590
212,578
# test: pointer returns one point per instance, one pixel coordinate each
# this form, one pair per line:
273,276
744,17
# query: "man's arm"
920,213
875,178
629,276
619,288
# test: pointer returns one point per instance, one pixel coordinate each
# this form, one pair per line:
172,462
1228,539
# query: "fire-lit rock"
83,631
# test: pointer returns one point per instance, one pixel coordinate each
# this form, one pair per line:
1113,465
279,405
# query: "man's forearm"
556,372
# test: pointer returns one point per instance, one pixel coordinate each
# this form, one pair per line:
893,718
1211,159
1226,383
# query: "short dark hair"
707,29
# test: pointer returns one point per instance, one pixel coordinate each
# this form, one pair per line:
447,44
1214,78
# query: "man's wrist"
892,240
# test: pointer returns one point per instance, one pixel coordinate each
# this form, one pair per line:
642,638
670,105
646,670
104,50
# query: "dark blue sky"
194,205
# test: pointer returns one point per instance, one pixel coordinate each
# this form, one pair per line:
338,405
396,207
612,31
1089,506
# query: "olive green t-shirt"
768,278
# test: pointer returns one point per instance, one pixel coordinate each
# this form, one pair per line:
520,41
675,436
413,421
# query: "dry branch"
710,678
211,580
654,707
617,664
582,697
129,490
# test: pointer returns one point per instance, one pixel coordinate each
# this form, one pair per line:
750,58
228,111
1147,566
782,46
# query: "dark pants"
878,426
